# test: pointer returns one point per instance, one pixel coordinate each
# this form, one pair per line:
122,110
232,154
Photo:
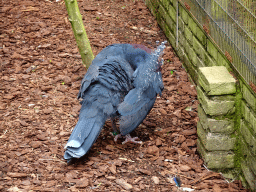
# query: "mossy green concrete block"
151,7
168,33
249,97
224,126
249,176
216,159
155,3
184,14
162,11
181,39
251,160
192,25
217,80
249,116
247,155
171,24
174,3
215,141
159,19
200,63
199,49
188,35
166,4
201,36
187,46
190,68
162,23
212,49
172,12
181,24
186,59
180,51
192,56
218,105
249,136
222,61
209,61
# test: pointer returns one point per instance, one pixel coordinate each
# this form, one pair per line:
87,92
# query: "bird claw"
128,138
117,136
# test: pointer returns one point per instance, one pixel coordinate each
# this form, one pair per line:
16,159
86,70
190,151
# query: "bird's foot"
130,139
116,135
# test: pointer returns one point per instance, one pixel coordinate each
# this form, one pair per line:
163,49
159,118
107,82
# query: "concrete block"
224,126
166,4
217,80
192,56
168,33
162,11
201,36
209,61
249,176
174,3
180,51
199,49
247,155
216,159
184,14
181,24
151,7
215,141
222,61
218,105
190,68
172,12
181,39
155,3
187,46
171,24
248,136
249,97
188,35
200,63
212,49
249,116
192,25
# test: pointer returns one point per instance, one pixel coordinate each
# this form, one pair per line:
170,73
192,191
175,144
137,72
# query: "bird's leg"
113,124
115,130
116,136
128,138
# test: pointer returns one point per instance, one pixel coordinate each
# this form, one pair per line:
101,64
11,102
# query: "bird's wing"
134,108
107,55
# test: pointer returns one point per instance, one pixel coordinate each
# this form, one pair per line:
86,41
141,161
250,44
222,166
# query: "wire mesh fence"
232,25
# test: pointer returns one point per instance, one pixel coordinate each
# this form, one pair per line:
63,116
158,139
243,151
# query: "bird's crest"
156,62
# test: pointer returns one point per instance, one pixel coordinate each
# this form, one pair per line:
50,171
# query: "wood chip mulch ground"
40,75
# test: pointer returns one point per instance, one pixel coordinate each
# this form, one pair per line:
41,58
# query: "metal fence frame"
231,24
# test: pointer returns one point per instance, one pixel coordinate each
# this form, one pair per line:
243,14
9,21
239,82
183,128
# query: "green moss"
237,118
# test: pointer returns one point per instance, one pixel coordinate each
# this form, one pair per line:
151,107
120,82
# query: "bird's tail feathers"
86,131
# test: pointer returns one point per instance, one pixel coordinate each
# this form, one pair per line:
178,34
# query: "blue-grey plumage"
122,81
140,100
